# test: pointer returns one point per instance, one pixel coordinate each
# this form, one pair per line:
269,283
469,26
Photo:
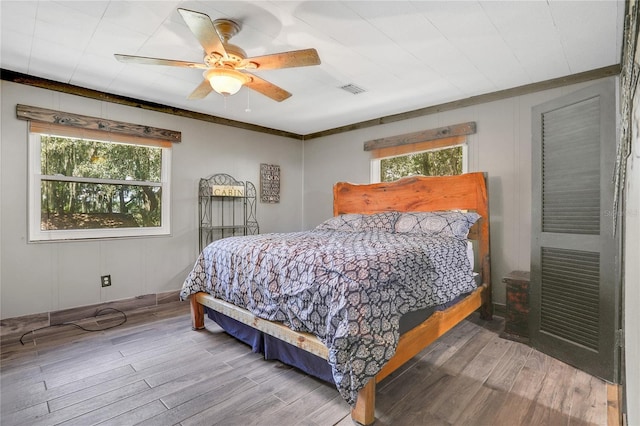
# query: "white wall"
43,277
501,147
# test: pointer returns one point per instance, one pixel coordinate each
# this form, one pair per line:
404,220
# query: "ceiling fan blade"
129,59
201,91
268,89
201,26
294,58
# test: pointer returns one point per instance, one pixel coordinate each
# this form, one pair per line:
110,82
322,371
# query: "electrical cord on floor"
98,312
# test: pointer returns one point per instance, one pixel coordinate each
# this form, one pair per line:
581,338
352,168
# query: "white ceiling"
406,55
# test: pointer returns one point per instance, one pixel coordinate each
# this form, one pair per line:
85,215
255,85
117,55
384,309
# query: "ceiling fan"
225,65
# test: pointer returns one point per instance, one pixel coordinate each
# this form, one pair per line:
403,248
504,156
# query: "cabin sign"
227,190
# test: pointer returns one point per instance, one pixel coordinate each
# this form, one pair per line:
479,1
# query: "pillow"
454,223
385,221
343,222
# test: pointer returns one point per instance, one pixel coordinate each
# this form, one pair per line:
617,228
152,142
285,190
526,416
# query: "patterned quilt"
347,288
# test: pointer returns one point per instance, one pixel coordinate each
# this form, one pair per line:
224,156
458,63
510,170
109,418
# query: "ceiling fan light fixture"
225,81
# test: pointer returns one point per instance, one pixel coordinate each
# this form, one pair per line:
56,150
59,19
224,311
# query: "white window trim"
36,234
374,175
375,170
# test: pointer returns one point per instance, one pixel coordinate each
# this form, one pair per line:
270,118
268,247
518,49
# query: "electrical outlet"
106,280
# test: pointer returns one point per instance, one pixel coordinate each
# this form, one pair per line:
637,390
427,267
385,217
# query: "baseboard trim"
12,328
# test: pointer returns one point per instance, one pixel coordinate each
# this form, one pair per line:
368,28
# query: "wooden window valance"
42,120
420,141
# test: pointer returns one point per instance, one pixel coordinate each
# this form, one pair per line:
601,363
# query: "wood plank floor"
154,370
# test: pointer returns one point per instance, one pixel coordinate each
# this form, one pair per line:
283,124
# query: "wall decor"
269,183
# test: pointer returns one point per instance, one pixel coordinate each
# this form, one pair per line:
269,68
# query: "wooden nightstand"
516,321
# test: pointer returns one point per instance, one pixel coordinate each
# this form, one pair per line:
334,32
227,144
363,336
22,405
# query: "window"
435,162
87,188
432,152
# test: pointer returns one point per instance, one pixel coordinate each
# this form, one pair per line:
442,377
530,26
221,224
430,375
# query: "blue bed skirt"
274,348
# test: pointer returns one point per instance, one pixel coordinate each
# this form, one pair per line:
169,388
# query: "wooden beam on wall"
412,148
422,136
77,121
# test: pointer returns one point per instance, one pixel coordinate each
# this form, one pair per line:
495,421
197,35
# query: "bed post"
364,410
486,310
197,313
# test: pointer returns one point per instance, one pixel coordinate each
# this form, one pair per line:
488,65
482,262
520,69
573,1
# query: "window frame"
36,234
375,162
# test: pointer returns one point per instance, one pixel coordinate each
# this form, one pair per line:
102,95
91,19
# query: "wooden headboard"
420,193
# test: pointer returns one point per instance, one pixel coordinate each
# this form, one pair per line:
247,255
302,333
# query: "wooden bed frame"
417,193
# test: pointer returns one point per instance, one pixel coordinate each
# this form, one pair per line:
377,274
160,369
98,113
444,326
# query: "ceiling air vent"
353,89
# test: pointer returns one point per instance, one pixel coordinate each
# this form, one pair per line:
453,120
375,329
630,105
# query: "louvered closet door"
575,255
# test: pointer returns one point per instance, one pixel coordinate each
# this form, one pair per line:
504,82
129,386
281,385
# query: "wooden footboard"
409,345
305,341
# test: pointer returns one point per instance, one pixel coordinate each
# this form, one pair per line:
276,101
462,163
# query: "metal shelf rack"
227,207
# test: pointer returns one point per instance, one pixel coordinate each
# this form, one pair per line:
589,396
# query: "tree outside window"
439,162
